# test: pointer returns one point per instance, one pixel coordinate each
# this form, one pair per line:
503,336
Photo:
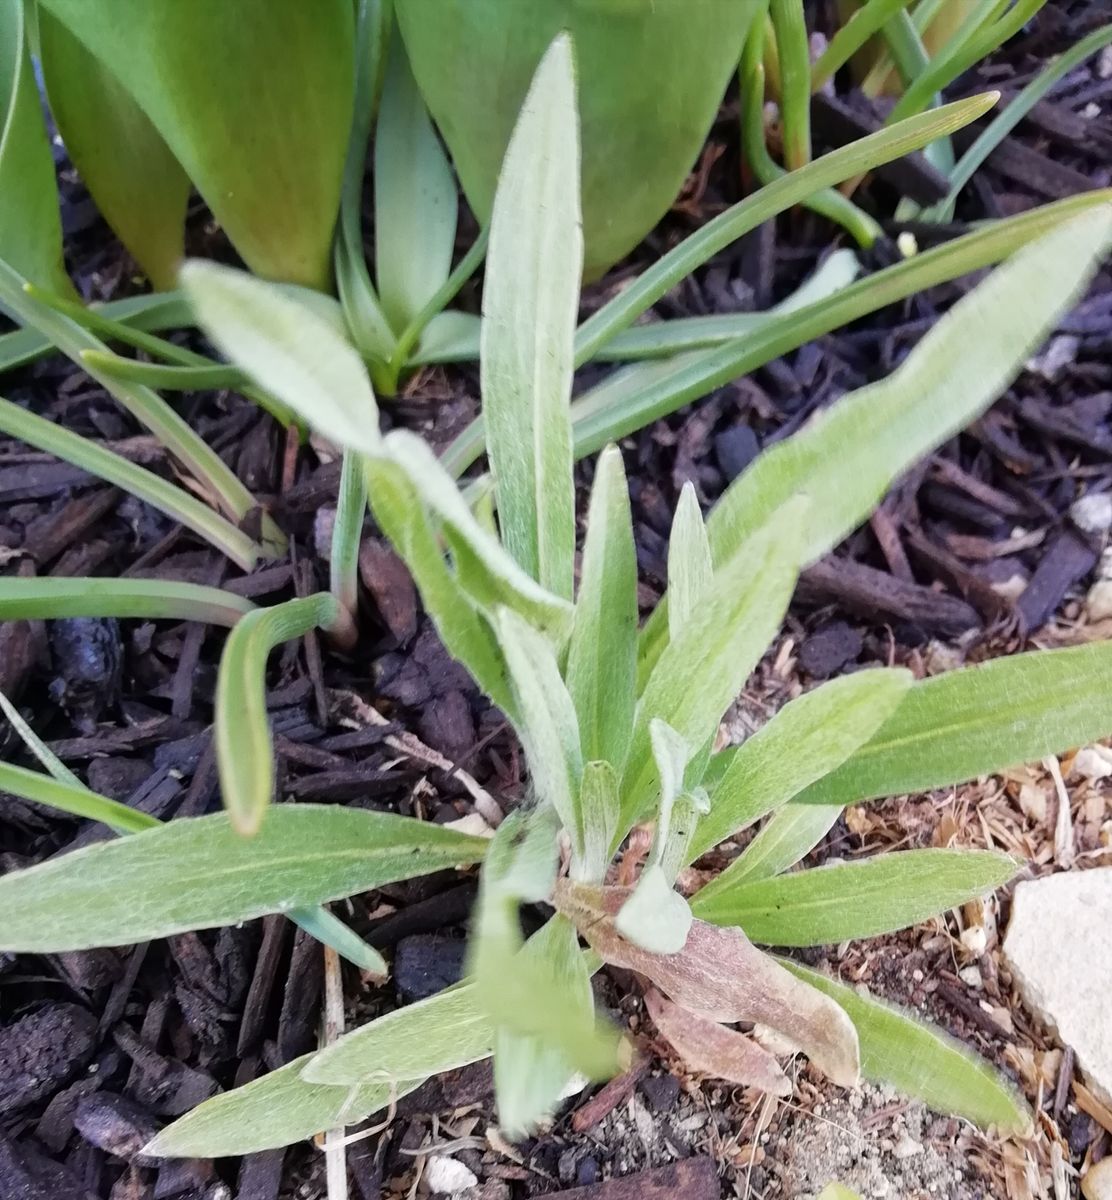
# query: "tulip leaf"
198,873
264,146
530,305
923,1062
853,900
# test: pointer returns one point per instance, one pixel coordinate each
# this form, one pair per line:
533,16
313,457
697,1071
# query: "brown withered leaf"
712,1049
722,976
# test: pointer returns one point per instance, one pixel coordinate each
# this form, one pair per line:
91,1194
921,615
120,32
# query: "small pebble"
443,1176
661,1091
829,649
907,1147
1093,512
1097,1184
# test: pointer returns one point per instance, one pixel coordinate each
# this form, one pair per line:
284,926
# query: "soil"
974,554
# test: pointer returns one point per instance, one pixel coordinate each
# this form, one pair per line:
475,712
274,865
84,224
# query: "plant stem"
793,51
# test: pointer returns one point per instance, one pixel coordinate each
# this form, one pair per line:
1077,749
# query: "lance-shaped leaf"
277,1110
846,458
402,516
289,349
789,835
530,304
73,798
923,1062
137,183
198,873
244,754
689,561
446,1031
703,670
722,976
853,900
598,800
979,720
415,197
602,653
265,147
30,226
713,1049
547,724
804,741
82,596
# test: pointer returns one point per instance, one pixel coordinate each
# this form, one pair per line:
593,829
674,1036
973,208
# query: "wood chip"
691,1179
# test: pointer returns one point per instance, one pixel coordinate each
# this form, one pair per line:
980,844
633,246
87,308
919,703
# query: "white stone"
1059,946
444,1176
1099,600
1092,762
1097,1184
1093,512
907,1147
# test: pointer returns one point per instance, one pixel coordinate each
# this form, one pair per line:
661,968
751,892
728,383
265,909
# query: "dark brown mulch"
98,1049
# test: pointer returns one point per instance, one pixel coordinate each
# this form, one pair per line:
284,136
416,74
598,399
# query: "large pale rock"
1059,946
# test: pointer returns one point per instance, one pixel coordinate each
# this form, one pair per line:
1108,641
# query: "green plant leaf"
655,917
43,598
198,873
804,741
265,147
547,725
402,516
288,349
856,899
598,799
415,198
530,305
137,183
650,84
789,835
277,1110
923,1062
689,561
846,458
244,753
486,572
703,670
446,1031
174,501
835,1191
602,653
977,721
30,226
73,798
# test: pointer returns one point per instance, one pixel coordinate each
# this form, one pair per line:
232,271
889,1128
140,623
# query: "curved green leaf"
787,837
198,873
138,185
530,305
44,598
254,99
853,900
73,798
923,1062
977,721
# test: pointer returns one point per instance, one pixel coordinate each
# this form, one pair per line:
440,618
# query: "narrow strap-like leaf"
689,560
530,304
788,836
77,596
854,900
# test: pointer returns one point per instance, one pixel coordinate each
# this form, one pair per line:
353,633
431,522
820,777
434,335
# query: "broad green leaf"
650,82
856,899
848,455
547,724
244,753
700,673
979,720
415,198
137,183
804,741
602,653
444,1032
689,561
175,501
198,873
487,573
923,1062
401,514
73,798
42,598
531,1071
655,917
530,305
288,349
30,227
265,147
788,836
598,800
277,1110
